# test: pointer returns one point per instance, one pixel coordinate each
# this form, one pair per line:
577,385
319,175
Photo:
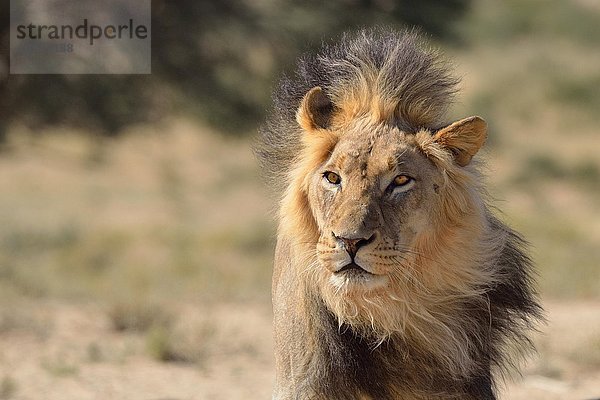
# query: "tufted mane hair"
454,315
389,76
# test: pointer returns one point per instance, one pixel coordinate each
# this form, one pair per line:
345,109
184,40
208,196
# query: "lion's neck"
322,358
341,361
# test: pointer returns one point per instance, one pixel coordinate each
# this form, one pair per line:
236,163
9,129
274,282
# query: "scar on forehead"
363,168
391,163
395,160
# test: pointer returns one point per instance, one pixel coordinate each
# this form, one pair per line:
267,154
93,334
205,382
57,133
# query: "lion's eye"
332,177
401,180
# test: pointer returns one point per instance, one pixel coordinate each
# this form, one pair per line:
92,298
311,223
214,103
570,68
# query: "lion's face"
384,211
371,199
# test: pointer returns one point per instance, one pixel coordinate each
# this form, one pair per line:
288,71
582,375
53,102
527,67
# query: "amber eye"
401,180
332,177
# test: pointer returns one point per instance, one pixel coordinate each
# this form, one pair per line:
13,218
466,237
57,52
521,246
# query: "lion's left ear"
463,138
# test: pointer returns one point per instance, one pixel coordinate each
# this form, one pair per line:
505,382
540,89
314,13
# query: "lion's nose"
352,245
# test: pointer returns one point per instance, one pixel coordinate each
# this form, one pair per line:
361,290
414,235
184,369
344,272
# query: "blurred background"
136,236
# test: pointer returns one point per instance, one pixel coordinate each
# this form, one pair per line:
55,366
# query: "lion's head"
392,217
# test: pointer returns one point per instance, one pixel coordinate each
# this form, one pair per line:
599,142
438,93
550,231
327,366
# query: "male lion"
392,278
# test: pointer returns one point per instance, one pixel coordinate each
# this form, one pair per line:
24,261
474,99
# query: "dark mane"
513,301
345,363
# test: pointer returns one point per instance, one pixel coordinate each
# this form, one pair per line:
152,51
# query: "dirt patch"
62,351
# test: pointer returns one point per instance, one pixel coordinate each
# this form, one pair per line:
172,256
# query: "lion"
392,277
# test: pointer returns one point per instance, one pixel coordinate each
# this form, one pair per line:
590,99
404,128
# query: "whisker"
409,250
408,273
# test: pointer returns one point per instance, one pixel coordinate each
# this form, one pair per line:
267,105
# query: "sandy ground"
63,352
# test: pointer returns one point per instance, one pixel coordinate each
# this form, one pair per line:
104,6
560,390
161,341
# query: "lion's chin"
357,280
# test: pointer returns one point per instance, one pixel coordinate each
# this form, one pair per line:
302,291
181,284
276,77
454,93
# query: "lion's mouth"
354,277
352,268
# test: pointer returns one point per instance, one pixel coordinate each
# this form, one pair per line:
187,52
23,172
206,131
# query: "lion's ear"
463,138
315,111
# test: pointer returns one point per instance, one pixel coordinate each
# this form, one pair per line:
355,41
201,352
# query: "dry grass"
8,387
180,213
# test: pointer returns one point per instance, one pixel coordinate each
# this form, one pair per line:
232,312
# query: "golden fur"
430,298
418,300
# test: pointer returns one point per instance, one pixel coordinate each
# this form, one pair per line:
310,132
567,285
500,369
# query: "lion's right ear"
315,111
463,138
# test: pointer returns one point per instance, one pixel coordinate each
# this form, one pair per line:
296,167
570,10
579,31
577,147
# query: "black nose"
352,245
